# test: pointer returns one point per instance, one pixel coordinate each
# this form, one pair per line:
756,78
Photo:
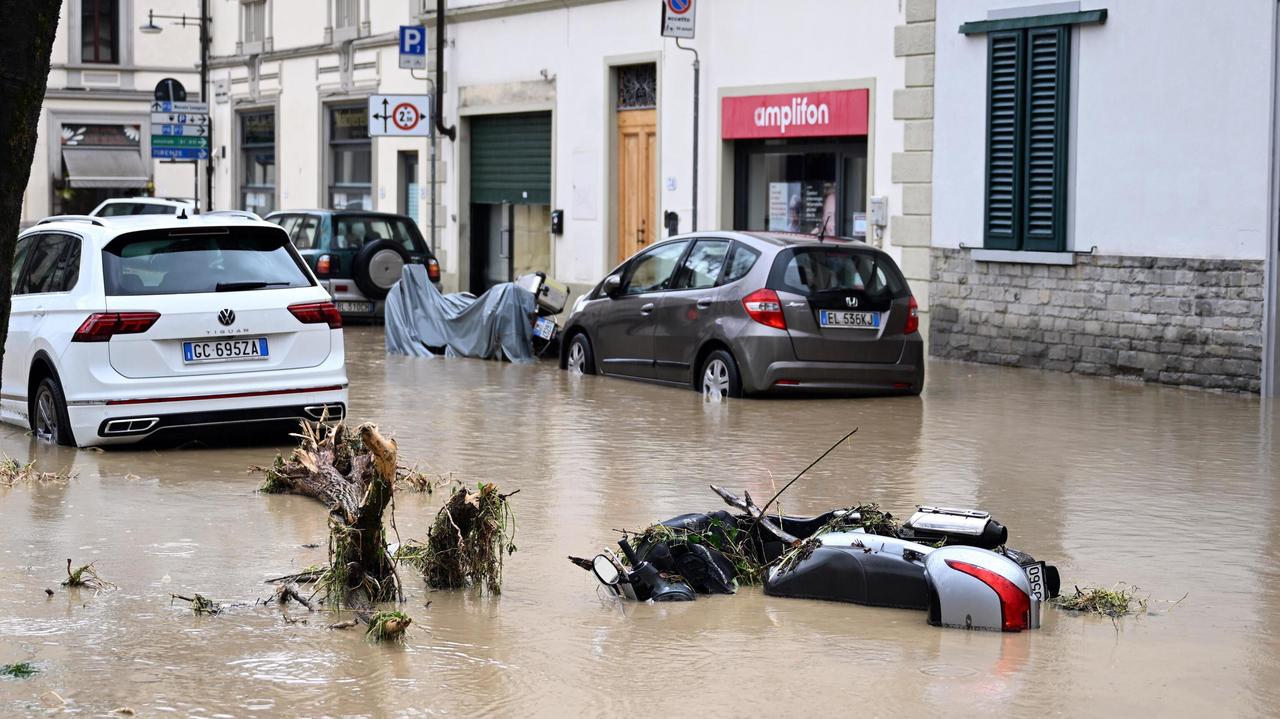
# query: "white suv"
125,327
120,206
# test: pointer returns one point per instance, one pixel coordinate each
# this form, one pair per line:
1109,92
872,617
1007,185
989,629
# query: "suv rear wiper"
252,285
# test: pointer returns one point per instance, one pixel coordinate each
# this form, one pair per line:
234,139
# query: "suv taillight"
433,269
323,265
1015,604
764,307
913,317
313,313
102,326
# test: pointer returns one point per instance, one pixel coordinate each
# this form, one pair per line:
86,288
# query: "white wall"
1170,135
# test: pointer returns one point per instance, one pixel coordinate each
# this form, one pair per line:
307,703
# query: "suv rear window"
119,209
351,232
814,270
174,262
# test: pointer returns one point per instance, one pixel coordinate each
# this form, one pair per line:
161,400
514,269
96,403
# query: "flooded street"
1168,489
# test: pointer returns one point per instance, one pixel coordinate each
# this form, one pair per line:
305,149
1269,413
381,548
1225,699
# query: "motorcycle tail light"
433,270
764,307
102,326
1015,604
913,317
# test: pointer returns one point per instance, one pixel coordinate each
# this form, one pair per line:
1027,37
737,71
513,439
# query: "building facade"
578,110
95,126
1106,201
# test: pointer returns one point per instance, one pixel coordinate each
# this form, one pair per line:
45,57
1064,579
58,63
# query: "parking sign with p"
413,47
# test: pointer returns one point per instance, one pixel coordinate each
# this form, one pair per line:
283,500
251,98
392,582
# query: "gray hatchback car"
738,313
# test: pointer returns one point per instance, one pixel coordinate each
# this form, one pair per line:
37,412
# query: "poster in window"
784,206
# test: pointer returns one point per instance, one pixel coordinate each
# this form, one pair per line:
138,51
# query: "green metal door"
511,159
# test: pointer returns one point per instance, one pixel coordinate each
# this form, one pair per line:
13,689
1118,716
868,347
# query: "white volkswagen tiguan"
125,327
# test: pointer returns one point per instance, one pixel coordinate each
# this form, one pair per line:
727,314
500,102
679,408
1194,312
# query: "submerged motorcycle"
550,299
951,563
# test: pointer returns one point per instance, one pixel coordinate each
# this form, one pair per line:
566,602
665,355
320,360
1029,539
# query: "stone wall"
1179,321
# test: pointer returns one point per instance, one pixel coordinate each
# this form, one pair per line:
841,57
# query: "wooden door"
637,173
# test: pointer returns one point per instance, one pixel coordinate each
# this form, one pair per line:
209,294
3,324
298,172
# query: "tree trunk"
26,41
355,478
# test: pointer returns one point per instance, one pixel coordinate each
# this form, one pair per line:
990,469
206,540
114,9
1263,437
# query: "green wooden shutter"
1004,134
511,158
1045,143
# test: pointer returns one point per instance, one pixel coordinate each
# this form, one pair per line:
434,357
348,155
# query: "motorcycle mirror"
606,570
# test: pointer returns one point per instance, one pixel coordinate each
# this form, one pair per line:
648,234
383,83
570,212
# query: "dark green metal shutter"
1004,51
511,159
1044,196
1027,101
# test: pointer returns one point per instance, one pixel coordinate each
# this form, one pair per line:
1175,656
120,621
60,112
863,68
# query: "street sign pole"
678,22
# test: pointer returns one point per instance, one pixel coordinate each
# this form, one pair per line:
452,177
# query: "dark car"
736,313
357,255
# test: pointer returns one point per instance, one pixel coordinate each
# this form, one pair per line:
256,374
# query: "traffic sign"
177,118
399,115
170,89
188,107
187,130
413,47
677,18
179,141
179,153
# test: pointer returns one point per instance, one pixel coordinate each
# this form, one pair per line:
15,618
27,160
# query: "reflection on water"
1167,489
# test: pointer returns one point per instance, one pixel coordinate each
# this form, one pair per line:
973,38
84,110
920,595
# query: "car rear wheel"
49,418
580,358
720,376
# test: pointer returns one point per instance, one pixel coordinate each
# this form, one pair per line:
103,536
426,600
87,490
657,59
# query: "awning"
103,167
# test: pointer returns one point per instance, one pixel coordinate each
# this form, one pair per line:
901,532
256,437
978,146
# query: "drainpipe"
450,132
1271,291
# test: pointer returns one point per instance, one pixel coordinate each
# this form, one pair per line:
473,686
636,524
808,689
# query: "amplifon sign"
802,114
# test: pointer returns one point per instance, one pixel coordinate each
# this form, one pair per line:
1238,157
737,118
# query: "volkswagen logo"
850,301
227,317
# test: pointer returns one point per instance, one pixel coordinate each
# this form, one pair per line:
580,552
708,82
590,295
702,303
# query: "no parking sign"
677,18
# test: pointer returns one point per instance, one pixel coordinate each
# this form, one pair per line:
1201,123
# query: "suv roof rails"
245,214
72,218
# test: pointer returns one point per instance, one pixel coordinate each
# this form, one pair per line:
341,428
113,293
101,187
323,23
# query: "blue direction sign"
199,108
179,130
179,153
413,47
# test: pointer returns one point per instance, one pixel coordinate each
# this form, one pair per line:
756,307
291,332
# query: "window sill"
1023,258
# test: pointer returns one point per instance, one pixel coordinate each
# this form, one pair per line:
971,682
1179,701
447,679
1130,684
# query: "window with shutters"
1027,97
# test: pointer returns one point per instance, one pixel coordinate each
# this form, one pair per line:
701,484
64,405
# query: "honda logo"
227,317
851,301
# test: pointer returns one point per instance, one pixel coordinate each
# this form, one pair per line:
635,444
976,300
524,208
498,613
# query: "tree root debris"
85,576
14,472
200,605
466,545
387,626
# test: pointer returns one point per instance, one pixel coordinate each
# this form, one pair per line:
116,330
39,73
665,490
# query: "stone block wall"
1194,322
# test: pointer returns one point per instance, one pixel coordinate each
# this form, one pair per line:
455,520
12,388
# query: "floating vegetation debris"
728,539
411,479
387,626
14,472
466,545
85,576
18,670
200,605
1116,602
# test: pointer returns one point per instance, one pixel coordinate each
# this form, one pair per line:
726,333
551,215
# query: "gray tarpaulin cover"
494,325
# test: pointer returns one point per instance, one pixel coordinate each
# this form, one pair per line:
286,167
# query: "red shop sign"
801,114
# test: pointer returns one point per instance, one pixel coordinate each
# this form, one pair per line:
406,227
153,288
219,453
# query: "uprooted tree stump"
353,474
467,542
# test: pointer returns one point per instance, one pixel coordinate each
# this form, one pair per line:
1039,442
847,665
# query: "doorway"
637,151
510,209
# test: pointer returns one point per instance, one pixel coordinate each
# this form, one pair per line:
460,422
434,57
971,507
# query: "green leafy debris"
18,670
387,626
1118,601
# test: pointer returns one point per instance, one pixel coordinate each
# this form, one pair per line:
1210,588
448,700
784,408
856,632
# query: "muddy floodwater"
1172,490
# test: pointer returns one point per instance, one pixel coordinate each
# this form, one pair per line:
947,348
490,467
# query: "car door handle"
646,308
704,303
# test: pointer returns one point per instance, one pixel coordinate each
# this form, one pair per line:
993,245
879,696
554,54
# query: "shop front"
799,161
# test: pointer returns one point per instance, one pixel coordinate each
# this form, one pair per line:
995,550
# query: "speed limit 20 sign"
399,115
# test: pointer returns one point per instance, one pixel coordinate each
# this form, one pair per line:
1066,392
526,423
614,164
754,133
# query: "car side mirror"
611,285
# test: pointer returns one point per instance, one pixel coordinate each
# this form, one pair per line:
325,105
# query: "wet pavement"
1168,489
